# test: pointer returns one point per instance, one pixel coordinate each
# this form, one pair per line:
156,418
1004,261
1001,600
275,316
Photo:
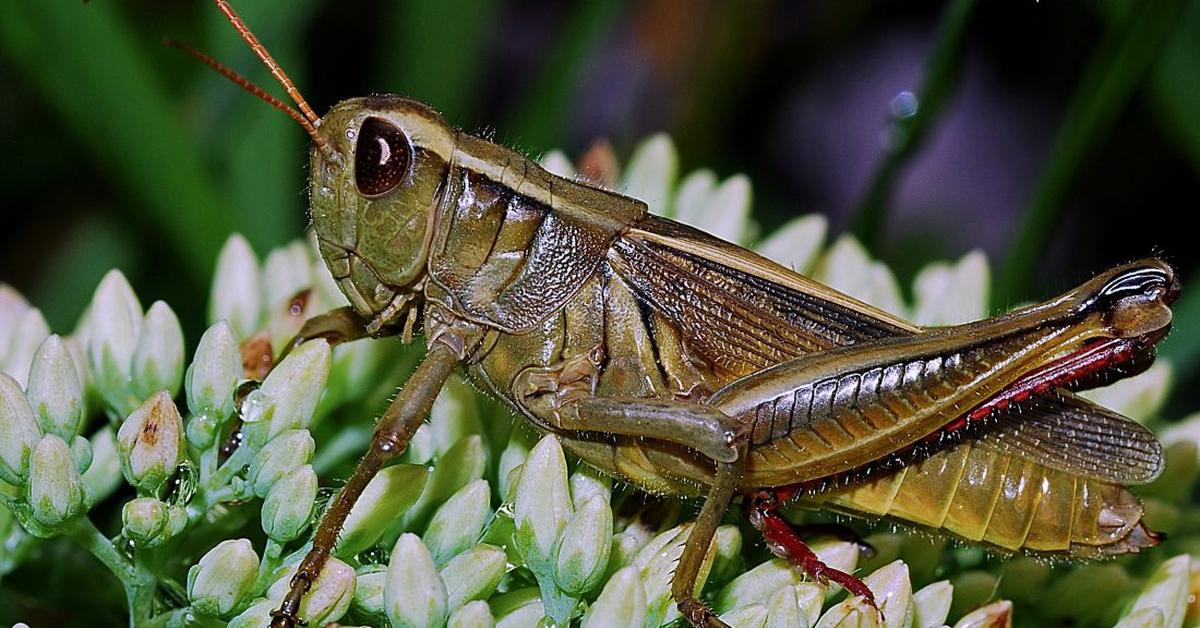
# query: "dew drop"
255,406
904,105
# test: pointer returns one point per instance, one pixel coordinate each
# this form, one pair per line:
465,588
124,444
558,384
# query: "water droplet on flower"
254,407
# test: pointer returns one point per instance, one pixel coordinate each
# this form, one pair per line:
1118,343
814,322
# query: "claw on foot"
699,615
785,543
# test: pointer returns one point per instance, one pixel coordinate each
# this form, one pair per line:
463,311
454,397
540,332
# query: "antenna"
245,84
305,116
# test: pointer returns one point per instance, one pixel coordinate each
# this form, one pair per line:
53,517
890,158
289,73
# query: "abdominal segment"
984,495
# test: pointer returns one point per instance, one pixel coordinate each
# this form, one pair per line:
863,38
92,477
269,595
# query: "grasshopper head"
376,167
373,192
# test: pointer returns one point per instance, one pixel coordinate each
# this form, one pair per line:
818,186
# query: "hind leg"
783,541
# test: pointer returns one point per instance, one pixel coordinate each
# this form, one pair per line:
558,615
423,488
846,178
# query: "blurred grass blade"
540,119
263,154
908,132
433,51
1116,68
88,67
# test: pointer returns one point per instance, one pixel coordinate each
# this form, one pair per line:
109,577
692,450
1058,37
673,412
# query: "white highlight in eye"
385,151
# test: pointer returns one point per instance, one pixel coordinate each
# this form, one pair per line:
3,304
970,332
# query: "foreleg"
397,425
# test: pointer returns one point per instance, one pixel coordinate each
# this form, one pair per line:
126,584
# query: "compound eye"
381,157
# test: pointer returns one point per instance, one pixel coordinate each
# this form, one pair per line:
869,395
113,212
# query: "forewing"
740,311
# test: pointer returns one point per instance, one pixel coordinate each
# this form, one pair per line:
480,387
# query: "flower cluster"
480,523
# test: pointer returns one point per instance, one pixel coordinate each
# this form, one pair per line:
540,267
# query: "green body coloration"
651,349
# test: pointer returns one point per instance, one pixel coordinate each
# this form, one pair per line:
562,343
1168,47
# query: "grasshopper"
689,366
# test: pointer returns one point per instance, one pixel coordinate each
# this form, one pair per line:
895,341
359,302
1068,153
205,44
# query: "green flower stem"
209,462
184,617
1113,72
272,558
138,581
226,472
908,133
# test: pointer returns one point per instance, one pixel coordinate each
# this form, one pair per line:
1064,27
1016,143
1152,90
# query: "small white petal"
236,296
994,615
1139,397
952,294
556,162
931,605
847,267
1167,590
651,173
797,243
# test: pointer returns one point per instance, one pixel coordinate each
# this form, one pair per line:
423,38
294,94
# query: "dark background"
1061,138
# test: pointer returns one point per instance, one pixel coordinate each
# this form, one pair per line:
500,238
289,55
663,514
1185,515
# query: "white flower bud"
158,358
392,490
457,524
19,432
257,616
622,602
1143,618
54,390
150,442
12,307
558,163
55,488
289,395
588,482
31,330
543,503
287,451
582,554
475,614
286,271
223,578
1167,590
525,610
414,596
462,464
144,520
931,604
726,214
114,325
214,373
236,296
893,593
103,475
756,585
289,505
81,453
797,243
783,609
329,597
847,267
473,575
368,593
952,294
994,614
752,616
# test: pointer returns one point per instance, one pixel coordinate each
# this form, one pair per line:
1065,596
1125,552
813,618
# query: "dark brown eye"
380,157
